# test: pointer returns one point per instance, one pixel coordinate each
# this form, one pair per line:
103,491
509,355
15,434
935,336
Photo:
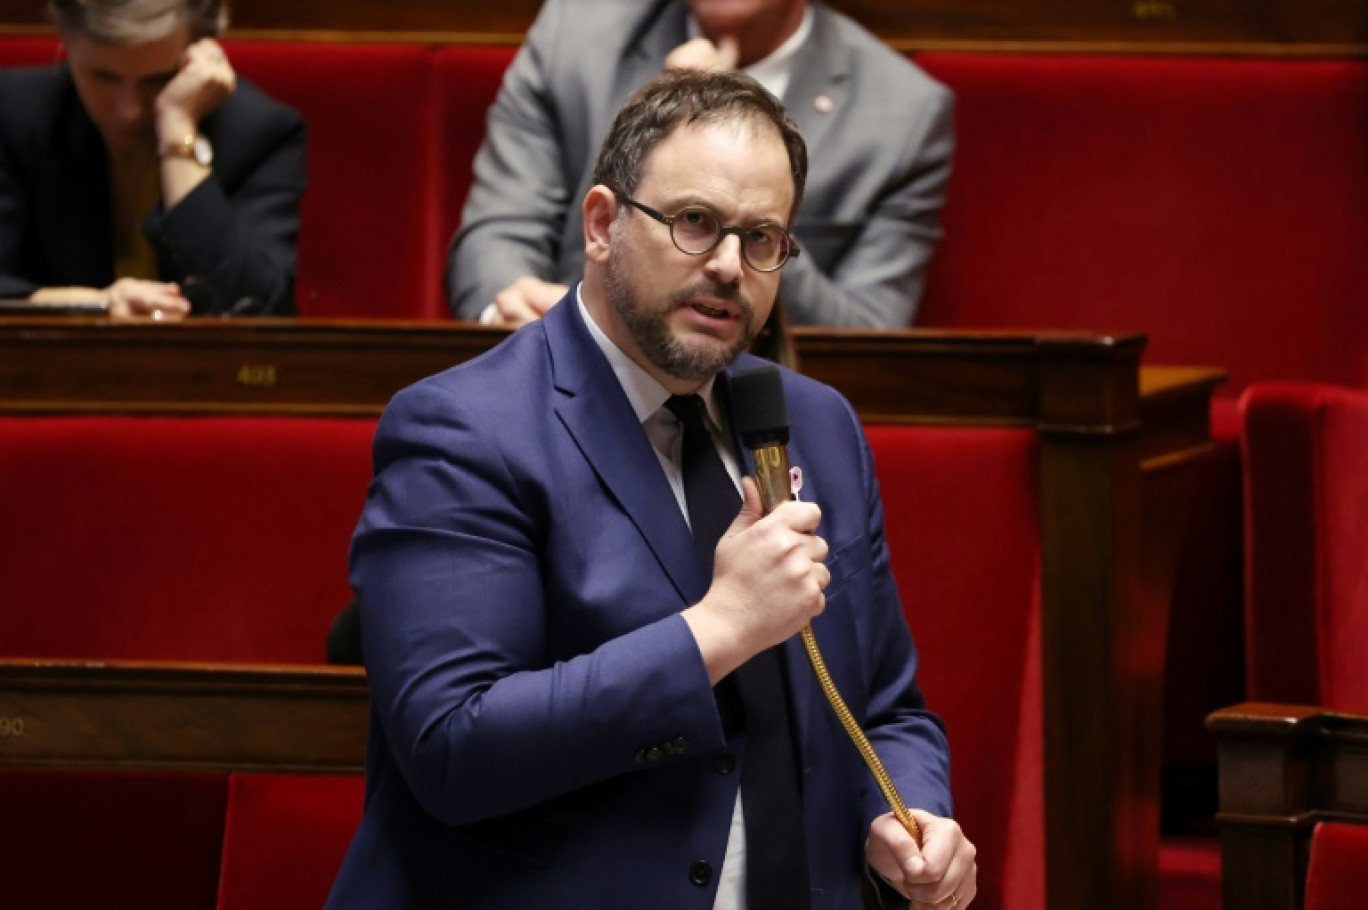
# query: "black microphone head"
758,408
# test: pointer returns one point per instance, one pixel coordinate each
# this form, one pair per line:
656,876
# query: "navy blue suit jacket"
544,732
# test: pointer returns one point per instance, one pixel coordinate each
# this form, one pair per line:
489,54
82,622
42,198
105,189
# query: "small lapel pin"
823,103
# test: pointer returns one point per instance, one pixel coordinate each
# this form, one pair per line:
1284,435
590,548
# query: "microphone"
759,415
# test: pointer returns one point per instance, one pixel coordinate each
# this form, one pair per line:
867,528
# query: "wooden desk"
1117,446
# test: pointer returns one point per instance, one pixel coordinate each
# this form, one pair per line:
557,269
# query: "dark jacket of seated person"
229,244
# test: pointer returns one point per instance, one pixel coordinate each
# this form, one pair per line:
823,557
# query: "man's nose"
725,261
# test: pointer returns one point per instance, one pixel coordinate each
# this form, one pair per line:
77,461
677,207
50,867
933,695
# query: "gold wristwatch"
194,147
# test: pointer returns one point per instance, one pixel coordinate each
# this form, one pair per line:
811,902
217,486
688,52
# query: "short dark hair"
137,21
679,96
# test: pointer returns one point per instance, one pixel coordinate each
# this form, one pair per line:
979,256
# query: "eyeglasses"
696,230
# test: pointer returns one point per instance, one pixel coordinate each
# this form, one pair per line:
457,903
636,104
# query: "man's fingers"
728,52
803,517
938,839
513,309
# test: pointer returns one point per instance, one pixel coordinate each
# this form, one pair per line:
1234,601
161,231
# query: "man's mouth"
712,312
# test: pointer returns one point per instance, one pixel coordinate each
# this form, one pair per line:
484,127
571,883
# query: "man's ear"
600,211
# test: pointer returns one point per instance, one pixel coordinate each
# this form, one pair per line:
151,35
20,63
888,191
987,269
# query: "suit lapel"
820,85
591,405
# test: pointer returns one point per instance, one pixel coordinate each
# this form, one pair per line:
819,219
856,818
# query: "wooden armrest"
186,717
1283,768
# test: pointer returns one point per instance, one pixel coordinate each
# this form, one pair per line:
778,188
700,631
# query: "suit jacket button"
724,763
700,873
679,746
655,754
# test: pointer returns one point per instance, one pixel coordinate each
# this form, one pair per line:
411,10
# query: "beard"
695,358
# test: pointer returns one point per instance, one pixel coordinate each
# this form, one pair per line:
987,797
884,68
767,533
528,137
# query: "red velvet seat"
24,51
1291,764
1306,493
215,538
218,539
956,502
368,245
1219,206
1337,877
284,839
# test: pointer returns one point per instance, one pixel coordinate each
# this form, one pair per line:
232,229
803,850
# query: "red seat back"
1218,206
22,51
1337,876
215,538
368,244
285,838
1306,495
962,519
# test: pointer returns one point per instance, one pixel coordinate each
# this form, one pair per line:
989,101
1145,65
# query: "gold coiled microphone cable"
761,417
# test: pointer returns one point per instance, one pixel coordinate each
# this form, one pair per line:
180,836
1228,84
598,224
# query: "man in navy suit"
547,655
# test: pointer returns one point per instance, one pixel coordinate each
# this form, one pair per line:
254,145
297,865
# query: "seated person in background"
143,173
580,625
879,131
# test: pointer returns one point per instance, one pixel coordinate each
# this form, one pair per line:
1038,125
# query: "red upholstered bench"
213,539
1217,205
285,838
202,539
1306,447
1337,876
962,522
367,245
1220,206
26,51
1296,756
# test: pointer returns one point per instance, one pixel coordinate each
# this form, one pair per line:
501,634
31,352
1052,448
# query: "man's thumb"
752,508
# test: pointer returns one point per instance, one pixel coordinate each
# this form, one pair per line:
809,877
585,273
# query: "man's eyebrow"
684,202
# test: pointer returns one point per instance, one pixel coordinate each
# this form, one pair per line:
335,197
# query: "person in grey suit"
879,130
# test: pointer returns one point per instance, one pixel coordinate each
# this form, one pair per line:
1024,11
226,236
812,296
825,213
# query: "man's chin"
697,357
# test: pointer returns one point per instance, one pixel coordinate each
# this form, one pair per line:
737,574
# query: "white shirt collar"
774,71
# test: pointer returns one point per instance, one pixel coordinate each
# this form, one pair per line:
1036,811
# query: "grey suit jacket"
879,135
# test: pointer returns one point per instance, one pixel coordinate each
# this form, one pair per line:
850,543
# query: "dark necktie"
776,858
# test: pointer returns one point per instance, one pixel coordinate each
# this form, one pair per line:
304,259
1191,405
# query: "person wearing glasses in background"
879,131
143,173
587,686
